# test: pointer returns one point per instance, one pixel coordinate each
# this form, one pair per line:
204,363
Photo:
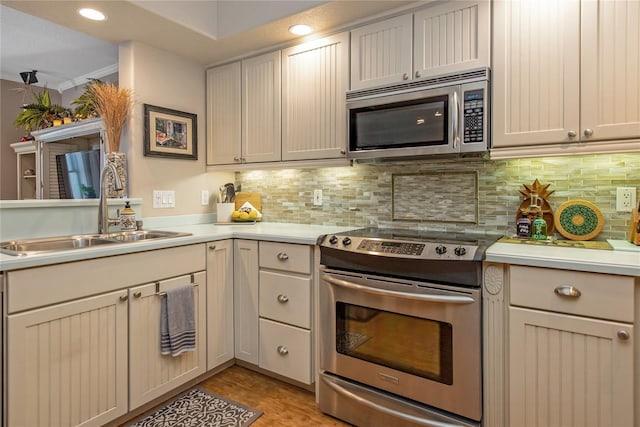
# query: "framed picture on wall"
170,133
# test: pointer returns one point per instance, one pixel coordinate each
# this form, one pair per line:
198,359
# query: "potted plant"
41,113
84,107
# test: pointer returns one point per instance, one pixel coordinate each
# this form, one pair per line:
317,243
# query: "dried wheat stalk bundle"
113,105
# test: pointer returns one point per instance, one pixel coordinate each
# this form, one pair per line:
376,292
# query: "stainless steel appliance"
439,115
400,328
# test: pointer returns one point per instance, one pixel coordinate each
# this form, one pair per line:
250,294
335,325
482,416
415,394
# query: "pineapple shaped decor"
536,198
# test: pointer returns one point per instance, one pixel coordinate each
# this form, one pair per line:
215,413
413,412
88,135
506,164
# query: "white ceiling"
49,36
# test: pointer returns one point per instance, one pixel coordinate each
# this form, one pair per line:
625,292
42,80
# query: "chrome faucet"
103,210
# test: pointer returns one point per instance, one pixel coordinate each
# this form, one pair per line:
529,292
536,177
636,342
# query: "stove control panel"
391,247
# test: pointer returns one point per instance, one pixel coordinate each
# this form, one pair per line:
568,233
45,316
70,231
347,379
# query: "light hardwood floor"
283,405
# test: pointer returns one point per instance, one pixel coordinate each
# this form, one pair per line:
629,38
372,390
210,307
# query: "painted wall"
12,96
159,78
365,195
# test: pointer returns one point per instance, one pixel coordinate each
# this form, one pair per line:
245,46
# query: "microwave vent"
432,82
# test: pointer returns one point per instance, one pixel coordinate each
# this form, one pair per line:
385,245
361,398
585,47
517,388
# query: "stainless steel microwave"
441,115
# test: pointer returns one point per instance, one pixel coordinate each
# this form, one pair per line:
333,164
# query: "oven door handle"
342,390
448,299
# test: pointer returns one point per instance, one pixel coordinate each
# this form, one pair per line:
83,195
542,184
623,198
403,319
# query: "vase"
119,160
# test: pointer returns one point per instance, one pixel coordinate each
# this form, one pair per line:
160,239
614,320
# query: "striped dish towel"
177,321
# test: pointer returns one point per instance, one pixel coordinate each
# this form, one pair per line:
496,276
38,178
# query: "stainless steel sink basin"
65,243
135,236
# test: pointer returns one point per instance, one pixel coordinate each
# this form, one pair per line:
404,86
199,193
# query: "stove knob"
441,250
460,251
333,240
346,241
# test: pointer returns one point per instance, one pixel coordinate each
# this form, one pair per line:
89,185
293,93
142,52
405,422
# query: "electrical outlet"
204,197
317,197
625,199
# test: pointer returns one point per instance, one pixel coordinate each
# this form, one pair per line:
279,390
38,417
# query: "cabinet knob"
237,159
405,76
283,350
572,134
343,152
282,256
212,247
137,294
124,297
567,291
283,298
418,74
588,132
623,335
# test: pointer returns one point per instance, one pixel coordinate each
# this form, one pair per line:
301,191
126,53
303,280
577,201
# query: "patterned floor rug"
200,408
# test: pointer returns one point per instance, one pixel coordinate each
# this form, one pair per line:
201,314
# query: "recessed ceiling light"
94,15
300,29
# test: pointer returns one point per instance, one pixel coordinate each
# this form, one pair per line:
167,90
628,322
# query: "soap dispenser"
127,218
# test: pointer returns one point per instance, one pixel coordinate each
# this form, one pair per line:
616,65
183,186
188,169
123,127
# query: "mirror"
64,60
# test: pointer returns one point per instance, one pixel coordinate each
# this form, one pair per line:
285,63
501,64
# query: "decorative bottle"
127,218
539,228
523,226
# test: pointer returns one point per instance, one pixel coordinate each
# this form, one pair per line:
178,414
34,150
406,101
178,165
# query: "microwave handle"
448,299
456,120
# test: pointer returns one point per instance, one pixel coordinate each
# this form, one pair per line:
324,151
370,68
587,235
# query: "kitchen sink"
65,243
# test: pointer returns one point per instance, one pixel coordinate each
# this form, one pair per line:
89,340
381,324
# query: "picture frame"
170,133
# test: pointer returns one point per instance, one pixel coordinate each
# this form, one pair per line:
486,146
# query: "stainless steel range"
400,328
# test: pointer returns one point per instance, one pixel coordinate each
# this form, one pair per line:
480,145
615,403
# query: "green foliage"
85,106
40,113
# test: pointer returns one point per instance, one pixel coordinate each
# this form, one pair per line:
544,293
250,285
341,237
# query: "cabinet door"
567,370
67,363
610,72
261,108
219,303
536,72
151,373
223,115
452,37
315,77
245,300
381,52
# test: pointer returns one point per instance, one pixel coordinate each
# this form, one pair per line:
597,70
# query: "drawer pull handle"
567,291
124,297
137,294
283,298
623,335
282,256
212,247
282,350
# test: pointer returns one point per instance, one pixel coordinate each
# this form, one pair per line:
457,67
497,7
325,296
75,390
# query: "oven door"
417,340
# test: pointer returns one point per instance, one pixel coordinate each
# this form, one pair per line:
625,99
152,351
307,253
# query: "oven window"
409,344
405,124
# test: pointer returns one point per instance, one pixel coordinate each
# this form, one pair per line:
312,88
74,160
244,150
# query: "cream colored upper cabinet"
315,78
224,114
565,71
261,106
381,53
452,37
448,38
610,73
243,114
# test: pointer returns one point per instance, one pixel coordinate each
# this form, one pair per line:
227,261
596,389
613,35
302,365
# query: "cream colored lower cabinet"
220,341
569,370
67,363
79,346
150,373
245,300
560,347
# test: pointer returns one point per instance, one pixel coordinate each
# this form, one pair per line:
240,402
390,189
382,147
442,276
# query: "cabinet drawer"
285,298
285,350
600,295
286,256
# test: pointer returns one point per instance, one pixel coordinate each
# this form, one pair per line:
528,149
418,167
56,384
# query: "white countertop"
623,260
279,232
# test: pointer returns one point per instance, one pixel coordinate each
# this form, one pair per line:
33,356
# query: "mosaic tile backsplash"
365,194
